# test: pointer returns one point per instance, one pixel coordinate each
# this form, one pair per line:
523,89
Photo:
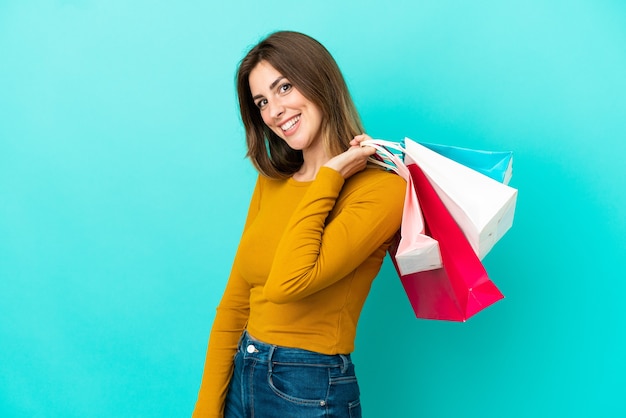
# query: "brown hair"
311,69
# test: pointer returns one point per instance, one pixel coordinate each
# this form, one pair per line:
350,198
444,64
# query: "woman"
319,224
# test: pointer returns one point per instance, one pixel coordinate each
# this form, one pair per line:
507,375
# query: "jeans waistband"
252,348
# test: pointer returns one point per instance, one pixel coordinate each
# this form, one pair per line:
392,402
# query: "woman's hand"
354,159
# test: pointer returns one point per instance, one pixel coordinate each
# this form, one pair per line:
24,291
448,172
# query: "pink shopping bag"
460,288
413,250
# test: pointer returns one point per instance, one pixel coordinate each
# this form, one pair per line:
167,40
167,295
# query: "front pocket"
300,384
355,409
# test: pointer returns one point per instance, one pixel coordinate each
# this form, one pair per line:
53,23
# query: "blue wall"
123,190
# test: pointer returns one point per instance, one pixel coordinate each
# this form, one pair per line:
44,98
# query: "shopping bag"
459,289
412,250
495,164
482,207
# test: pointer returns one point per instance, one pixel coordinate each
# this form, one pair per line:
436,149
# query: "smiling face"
285,110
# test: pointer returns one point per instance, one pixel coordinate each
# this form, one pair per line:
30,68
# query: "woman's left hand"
354,159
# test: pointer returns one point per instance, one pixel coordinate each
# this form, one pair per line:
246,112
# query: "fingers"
367,151
361,151
359,138
364,149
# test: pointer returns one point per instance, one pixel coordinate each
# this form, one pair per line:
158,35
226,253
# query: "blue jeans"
272,381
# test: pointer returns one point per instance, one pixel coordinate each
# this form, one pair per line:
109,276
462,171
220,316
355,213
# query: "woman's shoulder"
379,175
266,181
374,179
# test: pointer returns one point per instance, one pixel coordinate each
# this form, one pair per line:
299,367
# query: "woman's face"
284,109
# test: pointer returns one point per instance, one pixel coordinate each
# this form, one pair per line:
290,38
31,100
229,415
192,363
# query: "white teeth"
290,123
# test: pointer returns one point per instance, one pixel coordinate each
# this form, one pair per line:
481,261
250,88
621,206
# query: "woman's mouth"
290,123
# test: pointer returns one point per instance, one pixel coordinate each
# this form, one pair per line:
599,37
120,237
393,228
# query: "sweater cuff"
331,177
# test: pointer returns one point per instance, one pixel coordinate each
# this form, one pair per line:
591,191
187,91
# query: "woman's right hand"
354,159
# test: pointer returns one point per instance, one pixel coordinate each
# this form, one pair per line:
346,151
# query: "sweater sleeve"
314,254
230,320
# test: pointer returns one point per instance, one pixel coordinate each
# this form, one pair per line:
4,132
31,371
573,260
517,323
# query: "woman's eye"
285,88
261,103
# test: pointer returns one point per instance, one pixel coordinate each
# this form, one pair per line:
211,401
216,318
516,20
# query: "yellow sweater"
304,266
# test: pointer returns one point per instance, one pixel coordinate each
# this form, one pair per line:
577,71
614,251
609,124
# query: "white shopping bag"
483,207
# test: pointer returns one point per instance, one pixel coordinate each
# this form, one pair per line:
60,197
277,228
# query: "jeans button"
251,348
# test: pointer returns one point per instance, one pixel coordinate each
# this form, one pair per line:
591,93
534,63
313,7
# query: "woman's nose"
276,109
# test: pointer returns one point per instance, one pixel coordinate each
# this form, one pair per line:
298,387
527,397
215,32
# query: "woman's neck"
313,160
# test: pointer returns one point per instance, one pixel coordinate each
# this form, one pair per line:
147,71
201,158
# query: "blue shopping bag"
495,164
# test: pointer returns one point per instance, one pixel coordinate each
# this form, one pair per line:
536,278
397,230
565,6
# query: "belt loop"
346,363
270,354
242,337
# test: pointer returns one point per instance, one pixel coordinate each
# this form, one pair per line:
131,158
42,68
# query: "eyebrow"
274,83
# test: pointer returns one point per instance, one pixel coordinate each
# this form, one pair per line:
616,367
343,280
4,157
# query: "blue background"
124,187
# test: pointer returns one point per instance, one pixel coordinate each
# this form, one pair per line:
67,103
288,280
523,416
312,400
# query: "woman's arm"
230,319
314,253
